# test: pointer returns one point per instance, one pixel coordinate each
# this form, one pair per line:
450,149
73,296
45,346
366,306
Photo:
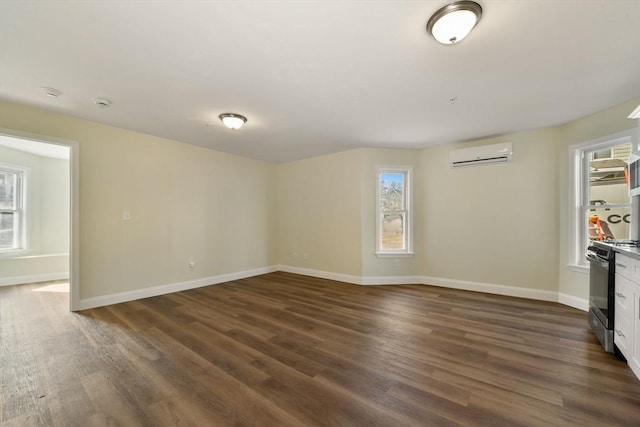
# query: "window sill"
394,254
13,253
578,268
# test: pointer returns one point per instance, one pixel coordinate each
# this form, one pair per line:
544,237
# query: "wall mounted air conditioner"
494,153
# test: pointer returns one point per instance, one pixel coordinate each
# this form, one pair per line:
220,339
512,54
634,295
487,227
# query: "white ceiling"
315,77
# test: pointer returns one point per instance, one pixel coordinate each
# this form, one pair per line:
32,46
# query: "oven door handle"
597,260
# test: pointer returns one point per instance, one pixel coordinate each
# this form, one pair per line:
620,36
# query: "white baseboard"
514,291
575,302
392,280
100,301
490,288
356,280
34,278
347,278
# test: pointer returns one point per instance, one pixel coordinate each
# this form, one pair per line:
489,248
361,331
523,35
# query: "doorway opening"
39,212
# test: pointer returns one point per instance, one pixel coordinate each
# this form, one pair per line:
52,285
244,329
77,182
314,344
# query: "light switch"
126,215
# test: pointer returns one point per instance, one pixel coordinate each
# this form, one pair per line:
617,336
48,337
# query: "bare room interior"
320,213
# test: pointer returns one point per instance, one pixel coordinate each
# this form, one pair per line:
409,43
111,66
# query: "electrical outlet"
305,256
395,262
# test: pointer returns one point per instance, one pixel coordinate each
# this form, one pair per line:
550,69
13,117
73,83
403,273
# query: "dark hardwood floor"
288,350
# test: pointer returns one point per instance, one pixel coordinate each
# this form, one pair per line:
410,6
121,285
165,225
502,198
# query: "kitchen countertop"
628,251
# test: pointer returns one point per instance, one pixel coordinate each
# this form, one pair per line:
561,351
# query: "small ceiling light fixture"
51,92
101,102
454,21
233,121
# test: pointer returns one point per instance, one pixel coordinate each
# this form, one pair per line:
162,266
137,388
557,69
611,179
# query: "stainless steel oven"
602,288
601,292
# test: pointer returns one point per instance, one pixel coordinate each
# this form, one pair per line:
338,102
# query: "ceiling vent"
495,153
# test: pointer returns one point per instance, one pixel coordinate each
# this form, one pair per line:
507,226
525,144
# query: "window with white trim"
394,217
11,209
601,188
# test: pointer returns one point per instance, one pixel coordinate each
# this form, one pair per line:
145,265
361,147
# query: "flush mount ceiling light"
233,121
454,22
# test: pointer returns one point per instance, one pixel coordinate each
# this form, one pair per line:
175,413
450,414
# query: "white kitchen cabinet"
623,324
626,332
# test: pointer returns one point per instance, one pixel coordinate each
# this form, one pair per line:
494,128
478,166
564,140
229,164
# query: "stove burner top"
633,243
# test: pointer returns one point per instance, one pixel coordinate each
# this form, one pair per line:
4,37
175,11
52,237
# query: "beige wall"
500,224
54,210
493,224
47,217
319,218
496,223
327,211
187,203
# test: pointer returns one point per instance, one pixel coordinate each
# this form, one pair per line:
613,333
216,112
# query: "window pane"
608,223
607,176
393,231
8,189
392,191
603,154
7,230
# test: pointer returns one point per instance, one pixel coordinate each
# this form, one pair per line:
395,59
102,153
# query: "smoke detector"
101,102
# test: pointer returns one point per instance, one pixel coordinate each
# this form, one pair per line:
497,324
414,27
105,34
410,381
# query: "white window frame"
20,229
580,203
407,211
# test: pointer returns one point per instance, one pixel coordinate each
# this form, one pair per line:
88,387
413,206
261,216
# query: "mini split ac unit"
495,153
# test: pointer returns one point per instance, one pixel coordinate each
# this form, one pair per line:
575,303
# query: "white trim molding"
33,278
154,291
584,269
355,280
394,254
573,301
392,280
490,288
347,278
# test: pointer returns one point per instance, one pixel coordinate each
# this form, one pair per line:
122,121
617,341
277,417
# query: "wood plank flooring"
288,350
